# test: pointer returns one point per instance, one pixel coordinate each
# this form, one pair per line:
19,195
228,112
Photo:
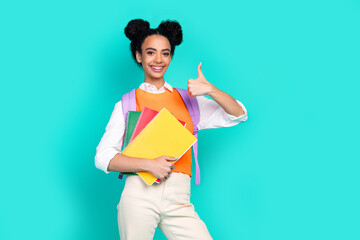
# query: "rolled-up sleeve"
212,115
112,140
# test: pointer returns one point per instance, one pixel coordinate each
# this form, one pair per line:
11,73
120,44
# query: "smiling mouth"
157,69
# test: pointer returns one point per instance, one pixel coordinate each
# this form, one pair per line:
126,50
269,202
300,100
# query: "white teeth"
157,68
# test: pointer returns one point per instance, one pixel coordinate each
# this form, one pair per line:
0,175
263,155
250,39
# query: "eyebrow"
166,49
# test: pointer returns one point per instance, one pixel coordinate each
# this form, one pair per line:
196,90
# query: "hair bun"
173,29
136,27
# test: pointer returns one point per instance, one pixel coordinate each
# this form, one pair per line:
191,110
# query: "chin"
157,77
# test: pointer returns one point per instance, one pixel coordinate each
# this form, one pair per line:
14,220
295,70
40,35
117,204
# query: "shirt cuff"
103,164
240,118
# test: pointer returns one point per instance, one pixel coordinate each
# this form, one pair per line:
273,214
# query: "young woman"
166,205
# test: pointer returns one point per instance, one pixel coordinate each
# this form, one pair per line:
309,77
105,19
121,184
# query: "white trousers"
166,205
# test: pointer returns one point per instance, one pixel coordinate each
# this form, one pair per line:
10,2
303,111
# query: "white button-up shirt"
212,115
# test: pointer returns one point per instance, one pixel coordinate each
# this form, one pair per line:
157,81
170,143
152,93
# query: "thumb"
199,70
172,158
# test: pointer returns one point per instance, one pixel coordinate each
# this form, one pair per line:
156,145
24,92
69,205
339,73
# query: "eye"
166,54
150,53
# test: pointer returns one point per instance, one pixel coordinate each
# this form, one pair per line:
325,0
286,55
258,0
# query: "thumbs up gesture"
199,86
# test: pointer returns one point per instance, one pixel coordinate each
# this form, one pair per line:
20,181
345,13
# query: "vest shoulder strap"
128,103
193,108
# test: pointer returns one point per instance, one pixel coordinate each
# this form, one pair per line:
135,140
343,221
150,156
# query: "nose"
158,58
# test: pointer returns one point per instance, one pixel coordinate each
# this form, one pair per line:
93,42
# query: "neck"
158,83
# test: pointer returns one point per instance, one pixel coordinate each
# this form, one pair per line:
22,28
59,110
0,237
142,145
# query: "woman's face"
155,57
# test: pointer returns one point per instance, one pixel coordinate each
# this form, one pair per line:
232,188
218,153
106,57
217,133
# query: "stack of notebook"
151,134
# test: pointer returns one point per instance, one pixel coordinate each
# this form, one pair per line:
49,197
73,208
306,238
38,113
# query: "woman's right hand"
161,167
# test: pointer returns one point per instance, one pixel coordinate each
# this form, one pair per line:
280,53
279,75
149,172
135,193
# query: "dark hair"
137,30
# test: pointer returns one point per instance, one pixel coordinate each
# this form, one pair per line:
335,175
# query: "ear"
138,57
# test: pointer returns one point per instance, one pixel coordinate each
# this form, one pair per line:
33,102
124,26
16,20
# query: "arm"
224,111
227,102
160,167
123,163
112,140
200,86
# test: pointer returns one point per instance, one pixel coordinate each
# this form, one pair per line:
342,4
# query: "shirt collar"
147,87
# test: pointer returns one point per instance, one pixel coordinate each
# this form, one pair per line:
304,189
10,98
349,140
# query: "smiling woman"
166,205
156,59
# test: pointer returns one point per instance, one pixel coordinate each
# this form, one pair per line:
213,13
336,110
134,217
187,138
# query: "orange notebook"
164,135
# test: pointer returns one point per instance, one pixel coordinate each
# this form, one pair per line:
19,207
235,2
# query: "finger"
172,166
190,83
188,87
189,93
199,70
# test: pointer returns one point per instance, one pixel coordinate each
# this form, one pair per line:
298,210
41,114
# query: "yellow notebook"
164,135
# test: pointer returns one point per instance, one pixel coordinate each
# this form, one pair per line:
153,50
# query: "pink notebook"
145,118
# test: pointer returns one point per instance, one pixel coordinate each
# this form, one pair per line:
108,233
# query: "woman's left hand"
199,86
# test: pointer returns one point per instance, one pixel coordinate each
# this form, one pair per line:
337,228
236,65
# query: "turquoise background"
290,172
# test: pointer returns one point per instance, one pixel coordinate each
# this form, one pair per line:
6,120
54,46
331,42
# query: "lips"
157,68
